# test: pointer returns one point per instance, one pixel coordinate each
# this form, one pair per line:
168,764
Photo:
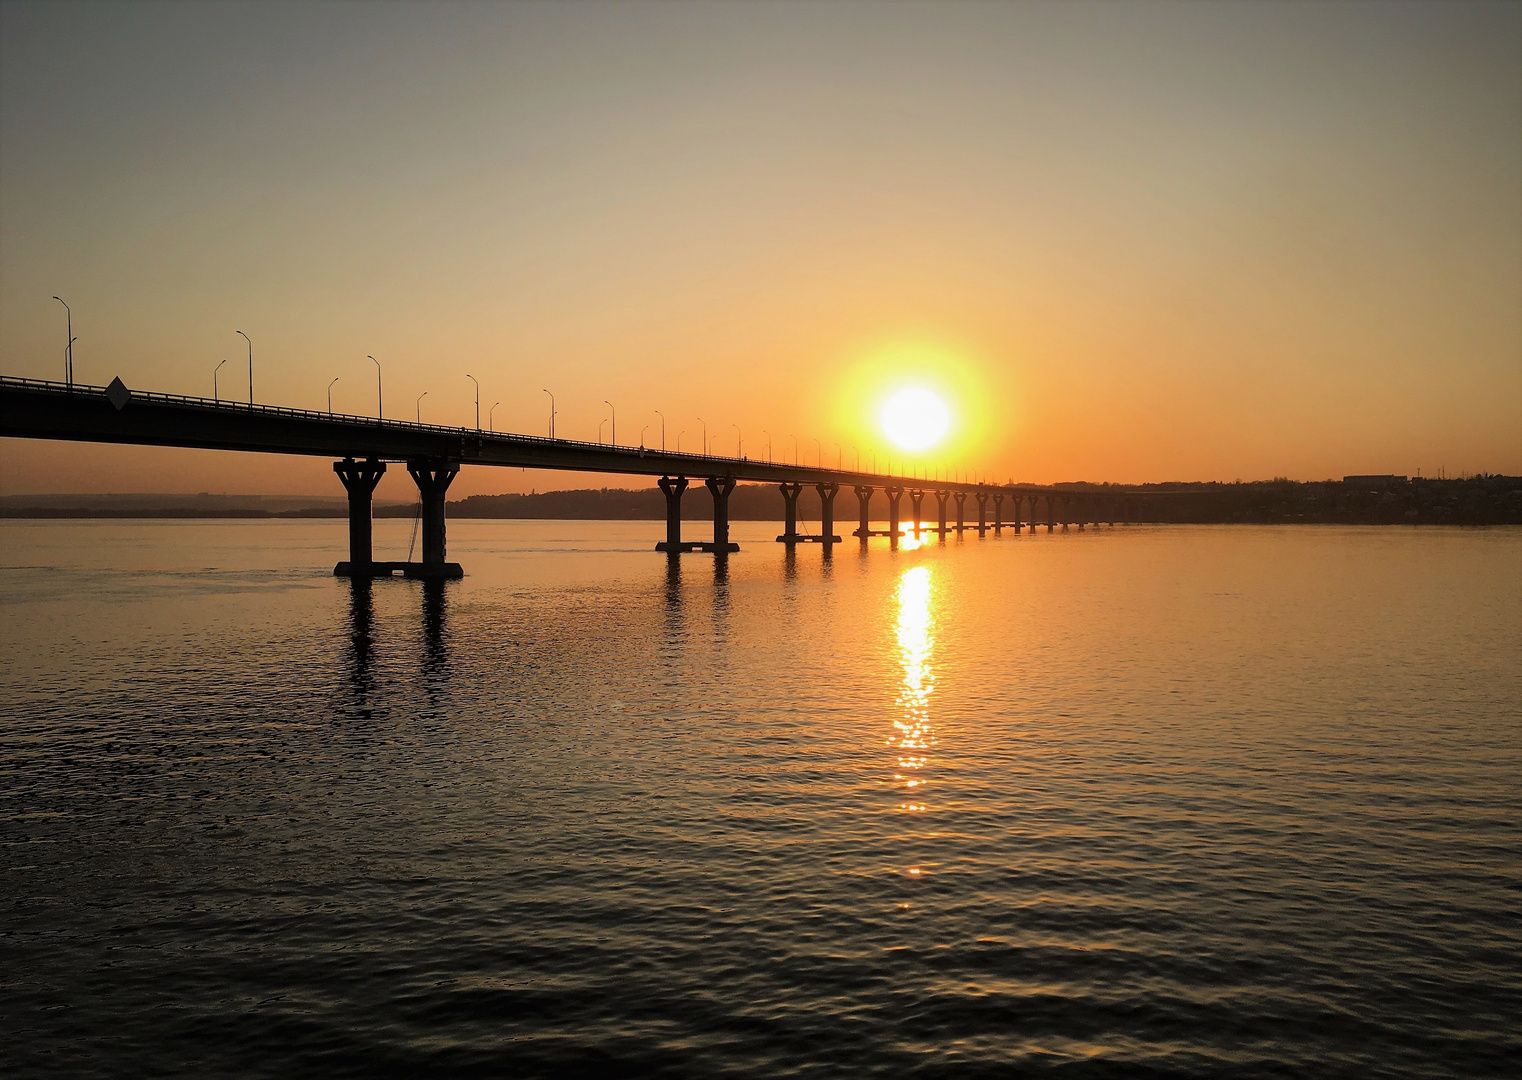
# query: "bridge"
433,455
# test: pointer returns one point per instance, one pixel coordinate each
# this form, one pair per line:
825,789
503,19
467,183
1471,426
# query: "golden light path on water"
914,734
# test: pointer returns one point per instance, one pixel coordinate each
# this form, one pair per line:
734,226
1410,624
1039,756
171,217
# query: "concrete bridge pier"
1017,502
961,517
673,489
864,499
790,493
940,498
1051,513
827,493
982,498
916,497
433,478
720,487
359,480
999,513
894,494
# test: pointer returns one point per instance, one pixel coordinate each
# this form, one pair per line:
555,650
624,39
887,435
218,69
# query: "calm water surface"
1173,802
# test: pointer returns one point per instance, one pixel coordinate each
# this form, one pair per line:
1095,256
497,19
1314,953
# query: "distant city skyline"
1128,243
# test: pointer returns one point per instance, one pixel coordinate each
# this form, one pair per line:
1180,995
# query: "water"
1210,801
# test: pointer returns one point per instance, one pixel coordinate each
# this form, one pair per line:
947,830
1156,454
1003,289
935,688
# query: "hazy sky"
1127,242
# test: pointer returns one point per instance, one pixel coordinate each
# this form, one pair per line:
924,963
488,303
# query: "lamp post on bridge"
472,378
214,371
795,449
489,425
600,425
250,366
679,435
705,434
68,355
614,440
642,436
420,398
663,429
552,414
768,435
380,412
818,455
330,395
739,442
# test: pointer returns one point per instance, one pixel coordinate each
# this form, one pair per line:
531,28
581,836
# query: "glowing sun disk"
916,418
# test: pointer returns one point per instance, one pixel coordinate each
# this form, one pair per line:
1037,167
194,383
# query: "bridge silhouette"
433,455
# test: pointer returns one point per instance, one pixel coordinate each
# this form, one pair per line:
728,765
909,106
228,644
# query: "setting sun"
915,418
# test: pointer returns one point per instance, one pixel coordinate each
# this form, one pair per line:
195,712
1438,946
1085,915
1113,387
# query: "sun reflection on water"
913,733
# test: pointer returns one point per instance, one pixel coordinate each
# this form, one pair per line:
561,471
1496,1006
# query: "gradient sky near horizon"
1128,242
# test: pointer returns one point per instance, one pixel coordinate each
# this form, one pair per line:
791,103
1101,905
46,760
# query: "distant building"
1375,480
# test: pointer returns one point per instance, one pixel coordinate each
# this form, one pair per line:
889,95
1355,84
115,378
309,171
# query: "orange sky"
1128,242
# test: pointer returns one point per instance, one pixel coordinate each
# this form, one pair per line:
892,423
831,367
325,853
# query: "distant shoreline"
1479,500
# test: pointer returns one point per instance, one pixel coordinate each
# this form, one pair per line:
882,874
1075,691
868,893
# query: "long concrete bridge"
433,455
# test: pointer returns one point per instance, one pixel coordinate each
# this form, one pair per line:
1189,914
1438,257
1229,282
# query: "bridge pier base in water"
790,492
961,517
864,502
940,498
999,513
433,478
894,494
673,544
827,493
720,487
359,480
982,498
916,497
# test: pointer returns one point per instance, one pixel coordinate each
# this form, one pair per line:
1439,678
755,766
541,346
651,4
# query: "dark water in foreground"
1209,801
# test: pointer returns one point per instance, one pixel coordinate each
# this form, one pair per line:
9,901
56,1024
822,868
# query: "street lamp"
250,366
420,398
214,371
68,360
795,449
552,414
614,440
739,442
330,395
380,413
768,435
472,378
663,429
705,433
818,455
489,425
679,435
600,425
642,436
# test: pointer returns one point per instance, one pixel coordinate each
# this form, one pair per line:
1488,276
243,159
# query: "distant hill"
1475,500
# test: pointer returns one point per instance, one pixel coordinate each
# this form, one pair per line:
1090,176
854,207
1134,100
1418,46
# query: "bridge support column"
999,513
864,500
940,498
894,494
982,498
1051,512
359,480
790,493
916,497
961,517
673,489
1015,502
433,479
827,493
720,487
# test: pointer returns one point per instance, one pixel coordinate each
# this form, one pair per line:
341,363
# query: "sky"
1123,242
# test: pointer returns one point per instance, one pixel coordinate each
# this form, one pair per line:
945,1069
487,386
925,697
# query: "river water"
1192,801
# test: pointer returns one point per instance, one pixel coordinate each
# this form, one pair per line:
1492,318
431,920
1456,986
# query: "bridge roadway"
433,455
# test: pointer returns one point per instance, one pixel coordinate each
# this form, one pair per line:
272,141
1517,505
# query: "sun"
915,418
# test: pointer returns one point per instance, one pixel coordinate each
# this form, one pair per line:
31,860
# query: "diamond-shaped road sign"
118,394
